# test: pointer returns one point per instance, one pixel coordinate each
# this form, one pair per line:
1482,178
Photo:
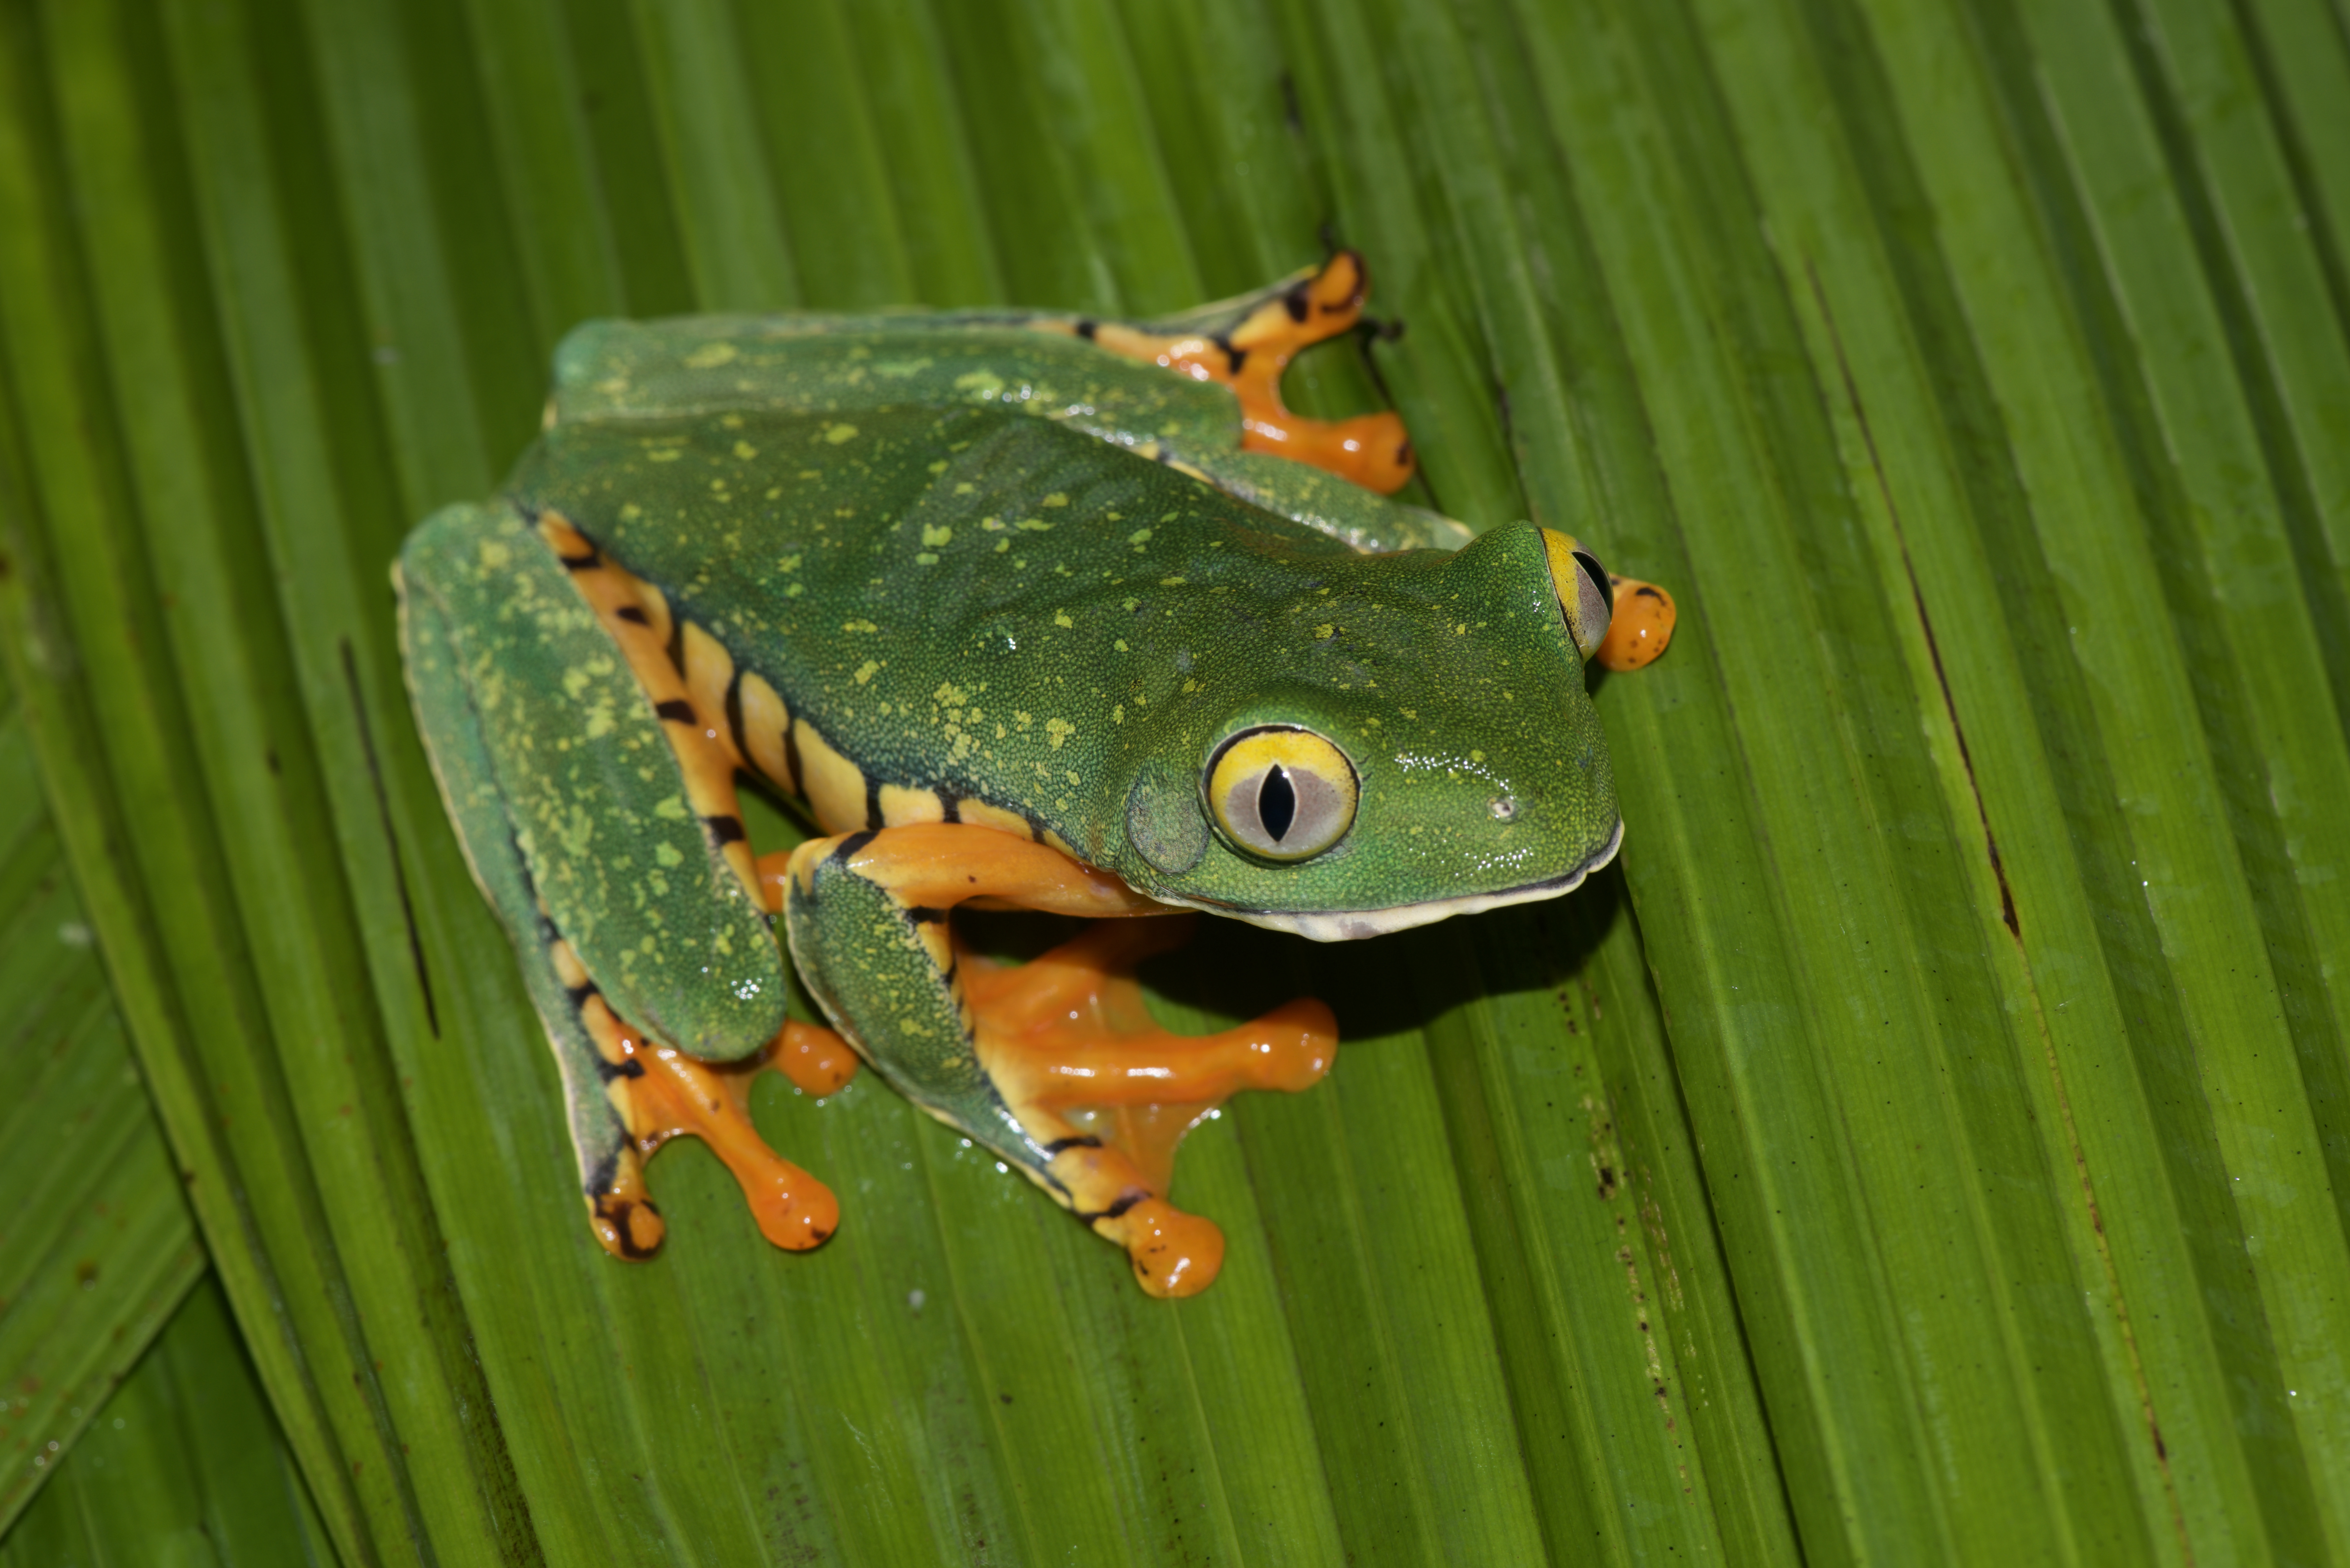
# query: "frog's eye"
1281,794
1582,589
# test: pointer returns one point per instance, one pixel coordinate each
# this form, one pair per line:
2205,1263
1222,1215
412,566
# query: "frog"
1016,610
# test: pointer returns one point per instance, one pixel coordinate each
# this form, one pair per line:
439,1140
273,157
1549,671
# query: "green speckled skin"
993,562
987,603
590,790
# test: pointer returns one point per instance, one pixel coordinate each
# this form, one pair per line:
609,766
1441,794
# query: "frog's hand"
615,866
1055,1064
1248,349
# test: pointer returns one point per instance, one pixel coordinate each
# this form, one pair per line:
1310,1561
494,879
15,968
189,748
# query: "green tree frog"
1031,611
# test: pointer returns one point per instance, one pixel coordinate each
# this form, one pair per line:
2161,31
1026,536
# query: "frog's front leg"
1054,1064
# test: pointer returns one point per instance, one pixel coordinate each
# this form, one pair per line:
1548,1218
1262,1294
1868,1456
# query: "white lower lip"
1351,925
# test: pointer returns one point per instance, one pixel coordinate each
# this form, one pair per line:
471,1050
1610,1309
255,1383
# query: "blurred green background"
1931,1145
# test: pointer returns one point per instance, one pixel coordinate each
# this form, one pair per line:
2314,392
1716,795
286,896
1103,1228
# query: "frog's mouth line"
1351,925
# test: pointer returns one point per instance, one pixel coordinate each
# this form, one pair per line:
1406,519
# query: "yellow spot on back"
867,672
1061,617
745,451
1059,730
837,434
710,356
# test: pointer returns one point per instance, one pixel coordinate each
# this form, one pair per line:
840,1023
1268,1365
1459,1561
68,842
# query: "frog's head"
1415,740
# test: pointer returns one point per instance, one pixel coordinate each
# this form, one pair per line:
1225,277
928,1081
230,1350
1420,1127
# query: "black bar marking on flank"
676,648
948,810
581,563
608,1071
1081,1140
600,1180
872,801
923,914
1087,327
1295,300
791,757
734,712
677,710
631,613
580,993
850,846
725,827
1233,356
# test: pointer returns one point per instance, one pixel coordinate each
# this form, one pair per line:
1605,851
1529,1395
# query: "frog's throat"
1352,924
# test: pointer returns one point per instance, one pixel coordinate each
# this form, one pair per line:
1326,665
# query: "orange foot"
663,1092
1107,1094
1371,450
1642,627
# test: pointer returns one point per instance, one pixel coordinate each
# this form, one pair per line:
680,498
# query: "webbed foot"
1109,1093
661,1093
1055,1064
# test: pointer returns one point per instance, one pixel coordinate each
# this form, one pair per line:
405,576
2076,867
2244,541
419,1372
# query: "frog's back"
964,603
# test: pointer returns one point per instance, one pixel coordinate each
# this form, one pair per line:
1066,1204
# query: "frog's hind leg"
1248,351
659,1092
1055,1064
478,596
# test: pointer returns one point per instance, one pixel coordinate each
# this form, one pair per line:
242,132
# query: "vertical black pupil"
1276,803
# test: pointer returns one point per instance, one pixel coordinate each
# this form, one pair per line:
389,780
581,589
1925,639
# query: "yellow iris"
1584,593
1281,794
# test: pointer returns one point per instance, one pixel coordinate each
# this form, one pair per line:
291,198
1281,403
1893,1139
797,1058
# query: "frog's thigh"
611,1174
1055,1064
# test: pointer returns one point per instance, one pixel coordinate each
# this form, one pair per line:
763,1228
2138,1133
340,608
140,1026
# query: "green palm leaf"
183,1464
1931,1146
98,1244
